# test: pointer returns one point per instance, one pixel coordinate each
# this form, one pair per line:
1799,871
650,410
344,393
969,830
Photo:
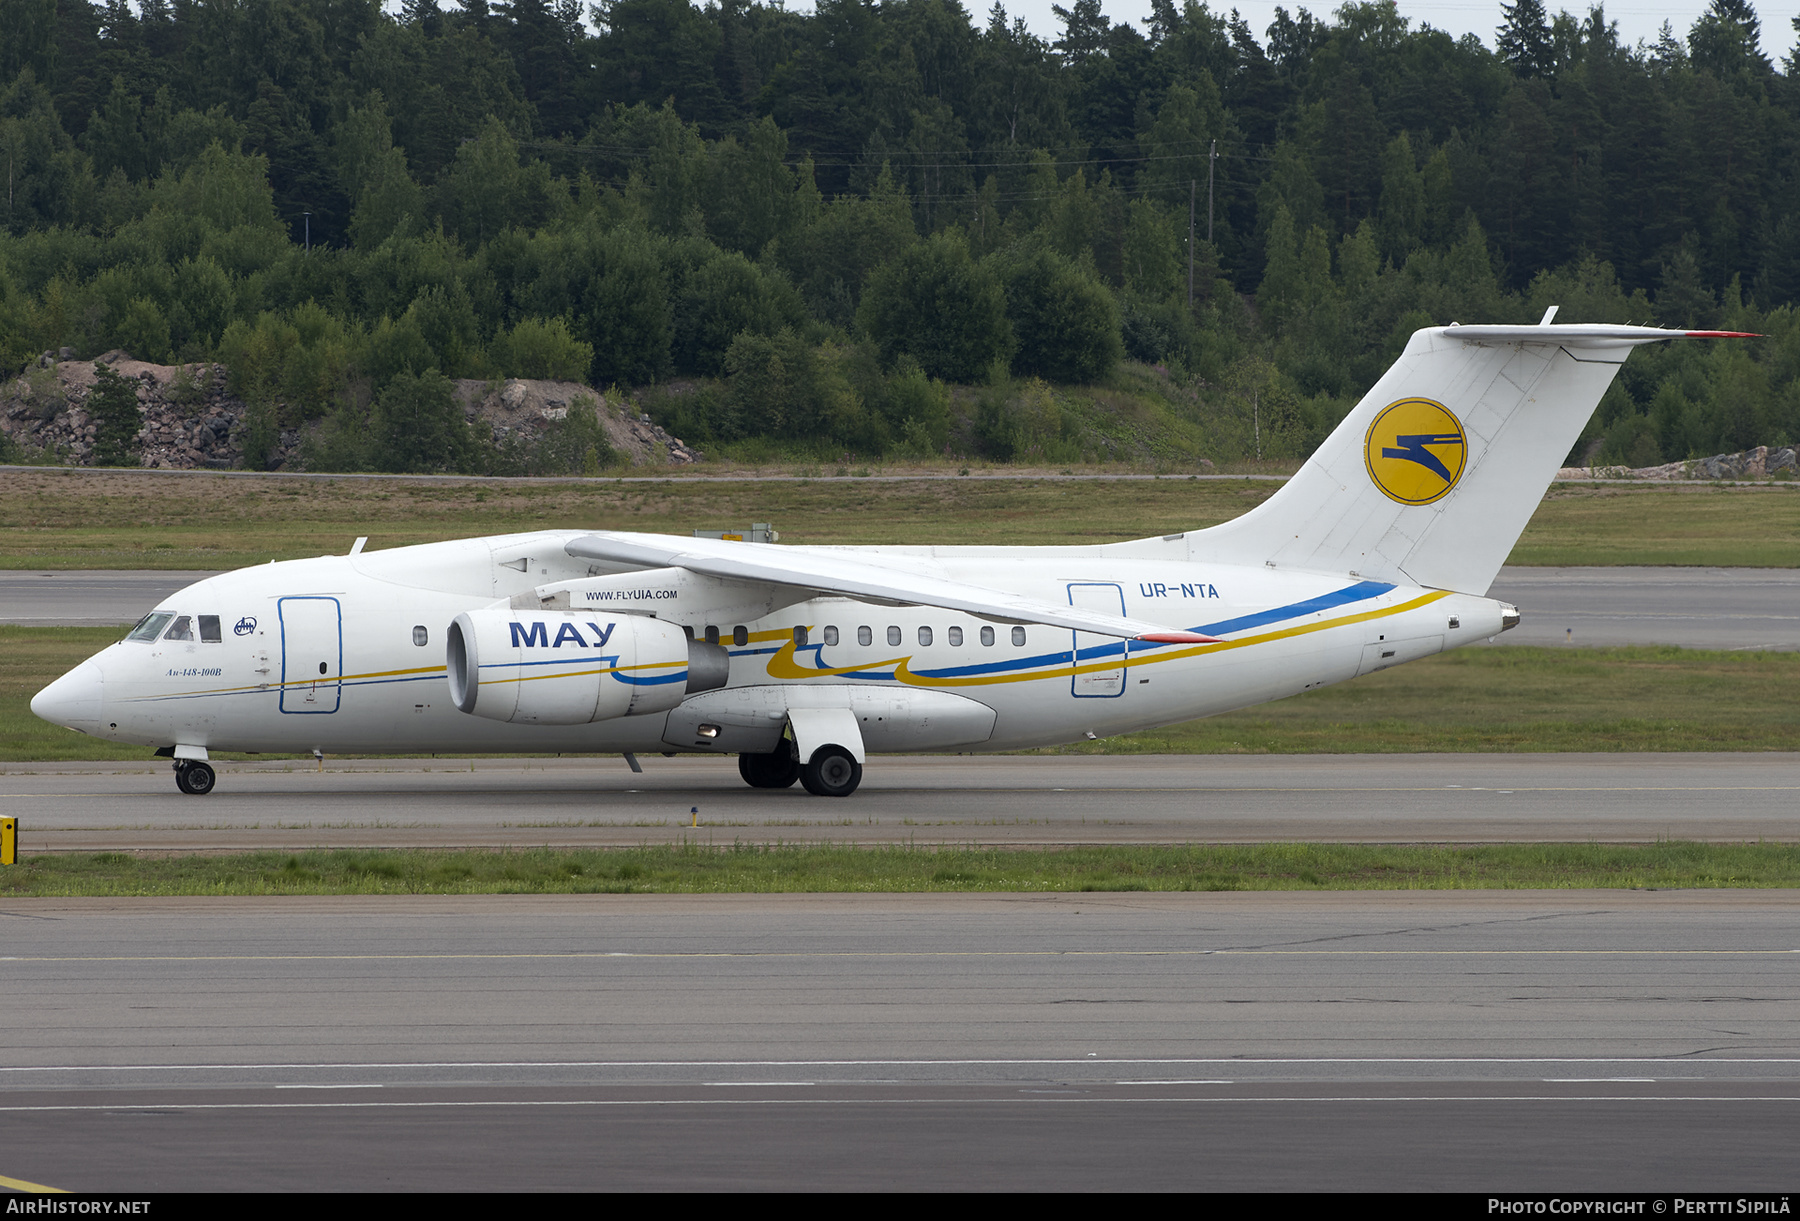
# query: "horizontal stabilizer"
1582,334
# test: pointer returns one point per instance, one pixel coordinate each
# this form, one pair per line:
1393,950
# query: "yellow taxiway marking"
35,1188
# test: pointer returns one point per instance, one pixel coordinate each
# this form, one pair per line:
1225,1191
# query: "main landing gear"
193,777
832,772
776,770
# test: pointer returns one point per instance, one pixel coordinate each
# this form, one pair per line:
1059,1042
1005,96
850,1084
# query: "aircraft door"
312,654
1099,669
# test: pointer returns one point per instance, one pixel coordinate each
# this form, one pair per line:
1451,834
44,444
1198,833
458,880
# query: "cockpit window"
183,629
150,626
209,629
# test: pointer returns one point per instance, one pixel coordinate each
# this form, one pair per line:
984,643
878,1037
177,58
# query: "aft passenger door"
312,654
1099,660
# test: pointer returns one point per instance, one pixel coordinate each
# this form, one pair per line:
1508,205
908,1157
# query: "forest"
880,230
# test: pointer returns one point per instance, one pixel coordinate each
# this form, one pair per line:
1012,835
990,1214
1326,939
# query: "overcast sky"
1636,18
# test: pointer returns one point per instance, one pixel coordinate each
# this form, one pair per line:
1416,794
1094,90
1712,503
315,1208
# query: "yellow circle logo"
1415,451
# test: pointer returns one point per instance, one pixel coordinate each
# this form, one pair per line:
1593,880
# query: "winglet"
1178,638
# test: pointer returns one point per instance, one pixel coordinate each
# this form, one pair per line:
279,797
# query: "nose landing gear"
193,777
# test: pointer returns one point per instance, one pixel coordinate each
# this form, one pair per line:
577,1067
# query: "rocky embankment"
191,421
1759,463
524,407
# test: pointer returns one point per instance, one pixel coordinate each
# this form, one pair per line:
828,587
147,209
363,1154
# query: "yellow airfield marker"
9,841
33,1188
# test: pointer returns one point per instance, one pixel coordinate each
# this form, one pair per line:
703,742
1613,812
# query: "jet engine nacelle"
550,668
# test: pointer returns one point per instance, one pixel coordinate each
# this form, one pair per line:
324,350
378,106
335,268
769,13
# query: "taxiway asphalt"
1013,800
1535,1041
1696,608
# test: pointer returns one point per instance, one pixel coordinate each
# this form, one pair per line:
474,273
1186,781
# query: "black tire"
195,779
776,770
832,772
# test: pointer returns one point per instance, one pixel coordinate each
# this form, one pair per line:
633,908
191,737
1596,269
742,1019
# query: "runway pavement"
1701,608
1438,1041
1016,800
1697,608
97,597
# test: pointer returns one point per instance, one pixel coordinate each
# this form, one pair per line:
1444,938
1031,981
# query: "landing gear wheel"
832,772
775,770
194,778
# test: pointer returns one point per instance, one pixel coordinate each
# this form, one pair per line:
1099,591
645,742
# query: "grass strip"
1510,699
73,519
694,868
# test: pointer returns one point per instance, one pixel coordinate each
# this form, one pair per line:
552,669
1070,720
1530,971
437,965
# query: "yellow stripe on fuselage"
783,665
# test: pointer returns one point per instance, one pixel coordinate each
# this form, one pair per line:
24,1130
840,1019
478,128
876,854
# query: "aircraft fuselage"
346,654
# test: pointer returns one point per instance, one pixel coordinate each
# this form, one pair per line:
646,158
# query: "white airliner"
800,660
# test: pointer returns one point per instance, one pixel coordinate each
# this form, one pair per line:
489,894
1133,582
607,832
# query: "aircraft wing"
851,576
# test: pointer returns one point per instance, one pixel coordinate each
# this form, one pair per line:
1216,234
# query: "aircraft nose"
72,700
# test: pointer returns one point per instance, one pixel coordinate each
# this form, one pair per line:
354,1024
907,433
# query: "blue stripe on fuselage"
1360,592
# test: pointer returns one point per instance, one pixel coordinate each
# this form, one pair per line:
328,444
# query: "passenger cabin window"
209,629
800,638
925,637
182,629
150,626
865,635
740,635
831,636
987,636
712,633
421,637
956,638
893,635
1019,636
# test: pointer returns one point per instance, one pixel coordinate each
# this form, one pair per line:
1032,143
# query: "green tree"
1402,208
1523,39
225,189
419,428
1178,144
1154,253
781,386
1065,322
48,180
540,347
486,189
113,405
937,305
143,331
724,296
851,236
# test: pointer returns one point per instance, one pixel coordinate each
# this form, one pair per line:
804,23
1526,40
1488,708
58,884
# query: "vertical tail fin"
1433,476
